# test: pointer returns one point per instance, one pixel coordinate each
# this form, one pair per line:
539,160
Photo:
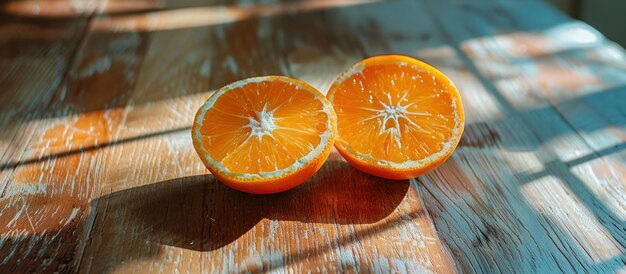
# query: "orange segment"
265,134
397,117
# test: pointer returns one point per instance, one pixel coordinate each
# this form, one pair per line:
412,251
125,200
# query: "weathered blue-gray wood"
521,199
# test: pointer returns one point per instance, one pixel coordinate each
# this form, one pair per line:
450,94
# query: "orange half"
265,134
397,117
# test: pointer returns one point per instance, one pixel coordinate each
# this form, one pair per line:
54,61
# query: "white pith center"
261,125
394,113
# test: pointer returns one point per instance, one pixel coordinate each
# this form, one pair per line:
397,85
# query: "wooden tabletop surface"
98,173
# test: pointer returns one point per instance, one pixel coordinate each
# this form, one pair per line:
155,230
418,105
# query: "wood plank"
45,206
352,25
180,67
35,54
478,103
109,181
517,221
476,214
189,217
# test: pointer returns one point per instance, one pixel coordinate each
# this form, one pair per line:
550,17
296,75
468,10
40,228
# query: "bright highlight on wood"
397,117
265,134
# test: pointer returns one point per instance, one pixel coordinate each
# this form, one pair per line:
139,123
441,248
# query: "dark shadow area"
202,214
197,213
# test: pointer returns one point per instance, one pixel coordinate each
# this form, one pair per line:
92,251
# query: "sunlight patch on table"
208,16
560,208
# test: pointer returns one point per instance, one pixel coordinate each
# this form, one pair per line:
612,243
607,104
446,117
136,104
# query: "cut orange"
397,117
265,134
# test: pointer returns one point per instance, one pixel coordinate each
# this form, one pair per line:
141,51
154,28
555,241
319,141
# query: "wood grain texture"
36,54
189,219
99,174
525,194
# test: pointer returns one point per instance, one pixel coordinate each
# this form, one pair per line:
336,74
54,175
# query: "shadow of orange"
202,214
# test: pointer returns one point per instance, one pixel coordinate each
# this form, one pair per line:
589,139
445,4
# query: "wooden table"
98,174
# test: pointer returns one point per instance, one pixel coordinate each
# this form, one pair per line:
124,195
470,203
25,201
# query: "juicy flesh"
263,127
393,112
